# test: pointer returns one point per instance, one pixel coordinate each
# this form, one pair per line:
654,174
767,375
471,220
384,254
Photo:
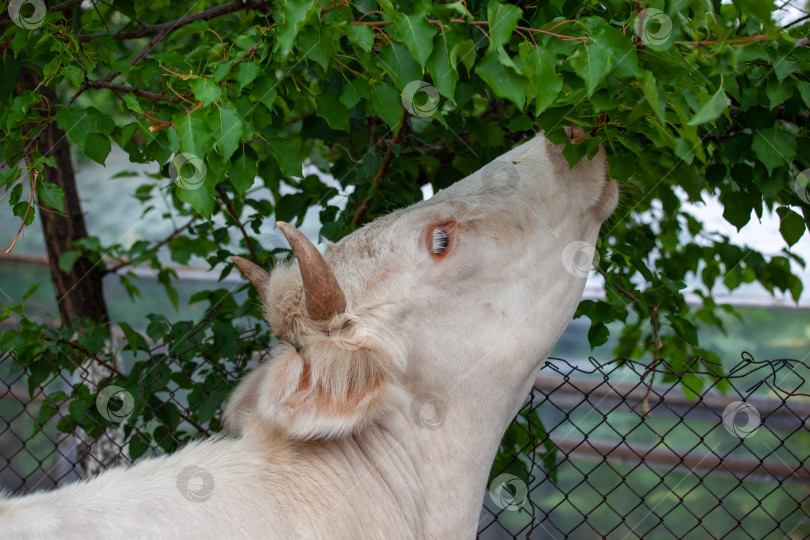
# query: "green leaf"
158,327
691,384
503,81
442,63
333,111
400,65
361,35
759,9
97,147
205,90
137,447
592,64
243,173
774,147
245,73
417,33
226,128
324,36
737,207
804,91
712,109
201,199
68,259
784,67
192,132
134,339
76,124
32,289
791,225
650,88
466,53
544,82
503,19
387,104
598,334
684,328
778,92
291,18
264,91
51,195
9,176
291,206
287,154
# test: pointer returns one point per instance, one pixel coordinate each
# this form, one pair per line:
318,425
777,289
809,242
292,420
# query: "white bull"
406,351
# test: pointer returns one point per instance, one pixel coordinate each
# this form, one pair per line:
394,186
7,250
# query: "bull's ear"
327,390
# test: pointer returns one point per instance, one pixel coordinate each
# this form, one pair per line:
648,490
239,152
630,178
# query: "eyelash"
440,241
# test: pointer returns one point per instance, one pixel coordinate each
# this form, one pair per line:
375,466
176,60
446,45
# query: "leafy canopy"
691,99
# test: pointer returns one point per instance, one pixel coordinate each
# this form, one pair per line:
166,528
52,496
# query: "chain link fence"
598,450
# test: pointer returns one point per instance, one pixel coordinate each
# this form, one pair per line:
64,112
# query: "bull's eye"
439,241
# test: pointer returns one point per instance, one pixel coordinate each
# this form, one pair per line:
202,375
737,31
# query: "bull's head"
458,298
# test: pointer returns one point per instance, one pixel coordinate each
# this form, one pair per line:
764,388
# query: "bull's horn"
324,298
254,274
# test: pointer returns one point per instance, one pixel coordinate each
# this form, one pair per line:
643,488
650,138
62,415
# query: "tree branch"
172,236
362,210
747,39
232,212
138,92
171,26
618,287
797,21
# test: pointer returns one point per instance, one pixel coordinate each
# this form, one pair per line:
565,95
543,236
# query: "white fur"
327,437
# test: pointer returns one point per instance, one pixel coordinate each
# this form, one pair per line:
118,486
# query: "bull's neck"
437,473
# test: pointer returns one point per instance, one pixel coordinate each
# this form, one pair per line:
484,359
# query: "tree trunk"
79,293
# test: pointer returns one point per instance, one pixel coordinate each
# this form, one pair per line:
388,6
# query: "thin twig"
747,39
334,6
170,26
119,10
232,212
479,24
88,354
651,367
797,21
137,91
618,287
362,210
35,177
172,236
